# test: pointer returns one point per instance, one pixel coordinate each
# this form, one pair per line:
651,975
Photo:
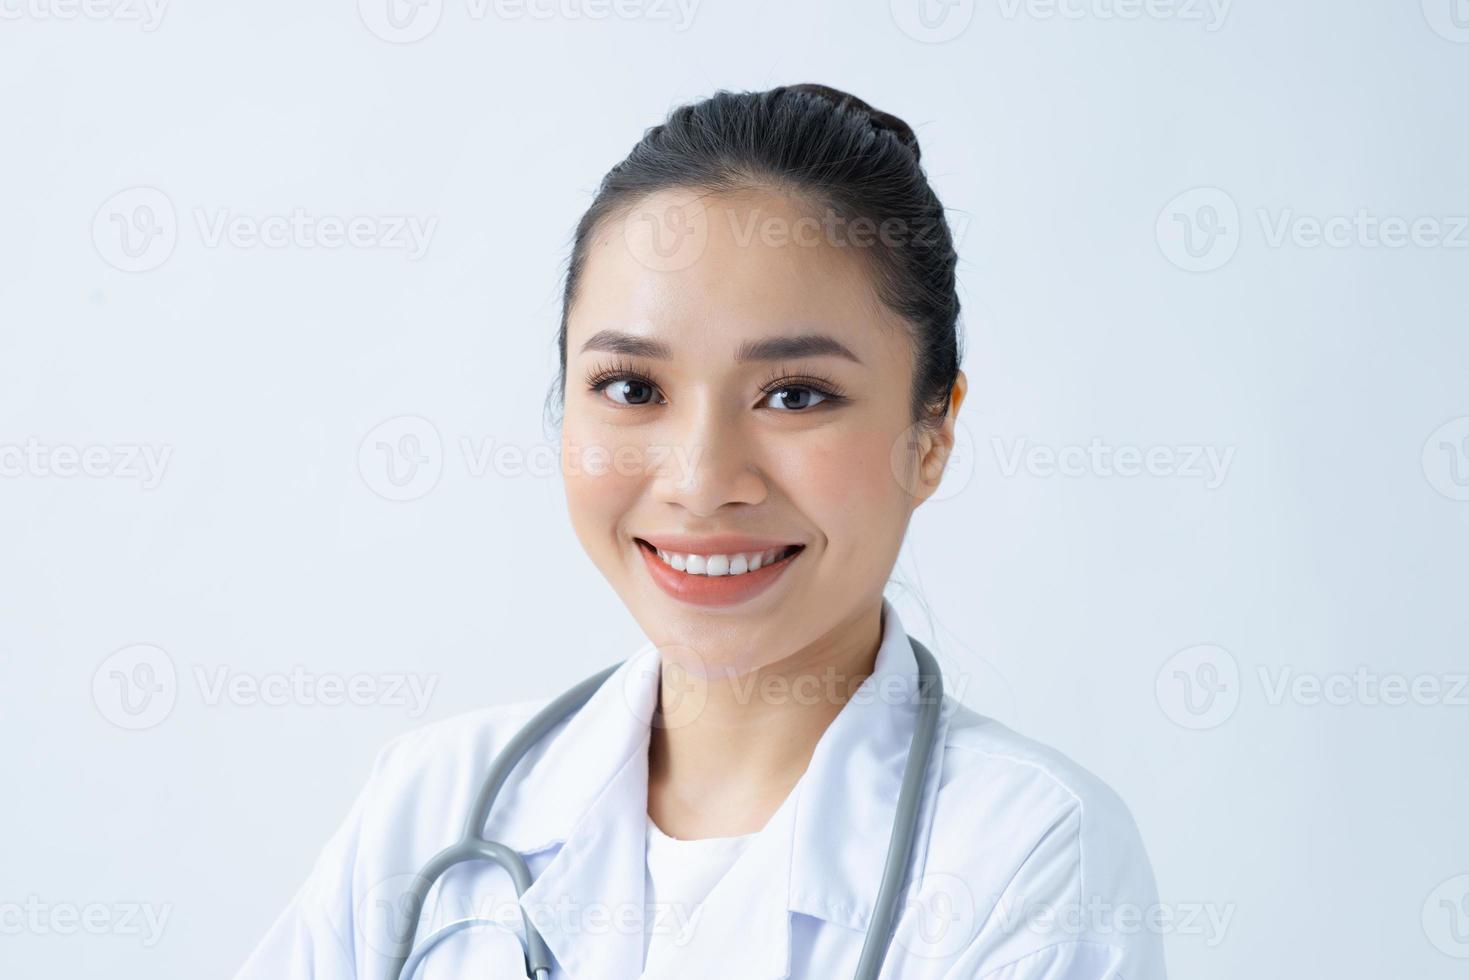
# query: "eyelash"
830,391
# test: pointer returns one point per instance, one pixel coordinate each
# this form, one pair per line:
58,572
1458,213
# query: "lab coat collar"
821,853
848,796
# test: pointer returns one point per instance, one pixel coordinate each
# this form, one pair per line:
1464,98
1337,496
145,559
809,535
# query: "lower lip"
713,590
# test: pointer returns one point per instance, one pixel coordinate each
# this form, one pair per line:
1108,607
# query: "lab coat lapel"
588,902
588,789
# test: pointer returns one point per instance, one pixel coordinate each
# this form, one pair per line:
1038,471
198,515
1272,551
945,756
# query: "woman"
760,381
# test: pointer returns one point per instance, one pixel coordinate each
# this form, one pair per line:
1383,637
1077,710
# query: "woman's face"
736,393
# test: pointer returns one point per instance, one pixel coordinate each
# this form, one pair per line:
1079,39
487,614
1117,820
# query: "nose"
711,460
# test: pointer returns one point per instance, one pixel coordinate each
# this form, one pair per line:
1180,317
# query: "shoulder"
441,755
991,768
1044,851
412,805
451,741
443,761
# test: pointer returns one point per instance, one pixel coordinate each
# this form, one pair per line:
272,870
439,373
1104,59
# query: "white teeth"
714,565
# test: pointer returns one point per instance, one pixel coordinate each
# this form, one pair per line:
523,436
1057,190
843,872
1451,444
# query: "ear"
936,444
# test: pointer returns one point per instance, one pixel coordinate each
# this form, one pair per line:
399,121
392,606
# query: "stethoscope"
474,847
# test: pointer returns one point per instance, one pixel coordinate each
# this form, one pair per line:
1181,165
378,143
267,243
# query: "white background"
1068,606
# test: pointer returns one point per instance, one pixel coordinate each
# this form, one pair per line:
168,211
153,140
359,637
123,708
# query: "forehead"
708,271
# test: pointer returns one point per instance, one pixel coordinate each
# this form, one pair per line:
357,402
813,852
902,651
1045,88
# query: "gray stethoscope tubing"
473,847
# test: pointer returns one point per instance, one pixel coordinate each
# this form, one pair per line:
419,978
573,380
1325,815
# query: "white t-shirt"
681,874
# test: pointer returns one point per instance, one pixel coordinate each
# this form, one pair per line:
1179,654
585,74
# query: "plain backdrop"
250,495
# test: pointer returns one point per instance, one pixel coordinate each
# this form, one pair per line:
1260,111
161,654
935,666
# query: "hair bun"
879,119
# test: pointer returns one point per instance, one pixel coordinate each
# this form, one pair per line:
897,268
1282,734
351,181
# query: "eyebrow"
768,349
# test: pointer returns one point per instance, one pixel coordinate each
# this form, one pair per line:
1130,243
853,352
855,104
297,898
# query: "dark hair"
832,150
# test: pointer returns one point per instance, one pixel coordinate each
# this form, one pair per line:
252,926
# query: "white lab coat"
1026,866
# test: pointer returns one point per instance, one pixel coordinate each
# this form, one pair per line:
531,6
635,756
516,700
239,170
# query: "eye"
798,392
622,383
629,391
794,398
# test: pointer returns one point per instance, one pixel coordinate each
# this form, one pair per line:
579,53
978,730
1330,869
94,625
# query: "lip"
715,590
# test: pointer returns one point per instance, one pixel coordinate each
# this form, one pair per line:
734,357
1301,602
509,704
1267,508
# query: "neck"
722,770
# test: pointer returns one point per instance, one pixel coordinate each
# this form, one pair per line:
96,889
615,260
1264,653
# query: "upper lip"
713,544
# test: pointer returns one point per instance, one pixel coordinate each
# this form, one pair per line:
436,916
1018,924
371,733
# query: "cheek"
599,487
844,484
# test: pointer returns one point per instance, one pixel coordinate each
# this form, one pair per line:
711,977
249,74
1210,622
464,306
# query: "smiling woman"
760,323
